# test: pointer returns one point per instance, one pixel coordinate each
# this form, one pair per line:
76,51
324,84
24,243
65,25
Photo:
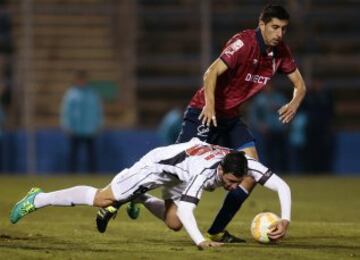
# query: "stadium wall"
119,149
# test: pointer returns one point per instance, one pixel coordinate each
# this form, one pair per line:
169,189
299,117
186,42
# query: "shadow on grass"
39,242
311,244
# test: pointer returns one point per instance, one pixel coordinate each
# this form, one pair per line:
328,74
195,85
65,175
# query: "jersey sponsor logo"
210,150
236,45
256,79
203,130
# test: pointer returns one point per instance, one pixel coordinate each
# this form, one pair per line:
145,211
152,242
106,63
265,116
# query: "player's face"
274,31
230,181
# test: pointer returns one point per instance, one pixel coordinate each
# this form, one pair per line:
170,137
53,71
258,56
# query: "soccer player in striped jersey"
184,171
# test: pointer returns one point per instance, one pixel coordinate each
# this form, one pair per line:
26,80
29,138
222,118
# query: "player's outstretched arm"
288,111
277,184
187,218
207,115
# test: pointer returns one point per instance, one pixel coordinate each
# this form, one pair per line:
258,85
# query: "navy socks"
232,203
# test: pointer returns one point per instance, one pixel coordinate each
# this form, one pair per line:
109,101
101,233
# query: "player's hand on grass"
287,112
207,244
207,116
278,229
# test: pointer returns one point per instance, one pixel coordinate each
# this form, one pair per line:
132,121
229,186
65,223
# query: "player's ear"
261,25
220,170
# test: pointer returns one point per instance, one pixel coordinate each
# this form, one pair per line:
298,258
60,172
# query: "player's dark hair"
235,163
274,11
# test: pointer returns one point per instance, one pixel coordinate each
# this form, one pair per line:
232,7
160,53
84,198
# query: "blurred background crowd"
91,85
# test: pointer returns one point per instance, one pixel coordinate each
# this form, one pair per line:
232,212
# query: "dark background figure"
6,51
263,116
319,131
297,142
2,121
81,119
170,127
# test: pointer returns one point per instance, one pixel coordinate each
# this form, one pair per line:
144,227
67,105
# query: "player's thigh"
131,183
171,218
192,127
239,135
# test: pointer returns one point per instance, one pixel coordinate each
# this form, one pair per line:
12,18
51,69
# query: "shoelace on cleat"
27,208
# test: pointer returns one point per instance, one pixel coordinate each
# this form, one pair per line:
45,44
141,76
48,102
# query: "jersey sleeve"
234,52
288,64
258,171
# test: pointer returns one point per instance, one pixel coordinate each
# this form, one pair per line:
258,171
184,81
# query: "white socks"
78,195
154,205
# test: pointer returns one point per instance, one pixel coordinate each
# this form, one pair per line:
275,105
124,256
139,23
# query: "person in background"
81,118
264,119
319,108
2,122
170,127
297,142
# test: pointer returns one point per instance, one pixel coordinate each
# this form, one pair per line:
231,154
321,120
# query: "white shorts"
130,183
173,192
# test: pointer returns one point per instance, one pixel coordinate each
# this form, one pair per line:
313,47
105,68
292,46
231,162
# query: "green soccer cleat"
24,206
133,210
103,217
225,237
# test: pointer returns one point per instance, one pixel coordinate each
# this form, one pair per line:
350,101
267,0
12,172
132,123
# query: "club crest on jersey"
233,47
202,130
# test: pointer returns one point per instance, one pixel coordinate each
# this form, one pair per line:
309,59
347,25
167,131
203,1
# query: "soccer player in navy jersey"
247,63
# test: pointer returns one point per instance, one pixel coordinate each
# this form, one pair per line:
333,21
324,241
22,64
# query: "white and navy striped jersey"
195,164
184,170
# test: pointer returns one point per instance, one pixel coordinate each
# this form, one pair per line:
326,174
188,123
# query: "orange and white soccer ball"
260,226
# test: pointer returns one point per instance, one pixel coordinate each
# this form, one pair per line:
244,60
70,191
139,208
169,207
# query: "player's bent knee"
171,218
174,225
102,203
102,199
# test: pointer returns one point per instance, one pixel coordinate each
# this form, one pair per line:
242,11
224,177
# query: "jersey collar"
262,45
218,179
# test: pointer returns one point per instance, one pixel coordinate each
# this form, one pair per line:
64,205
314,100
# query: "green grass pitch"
326,225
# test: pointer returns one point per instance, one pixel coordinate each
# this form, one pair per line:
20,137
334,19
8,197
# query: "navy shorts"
230,132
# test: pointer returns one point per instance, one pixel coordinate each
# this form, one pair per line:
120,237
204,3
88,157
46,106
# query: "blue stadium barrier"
347,157
115,150
119,149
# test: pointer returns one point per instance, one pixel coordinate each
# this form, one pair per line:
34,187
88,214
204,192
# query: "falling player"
184,170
